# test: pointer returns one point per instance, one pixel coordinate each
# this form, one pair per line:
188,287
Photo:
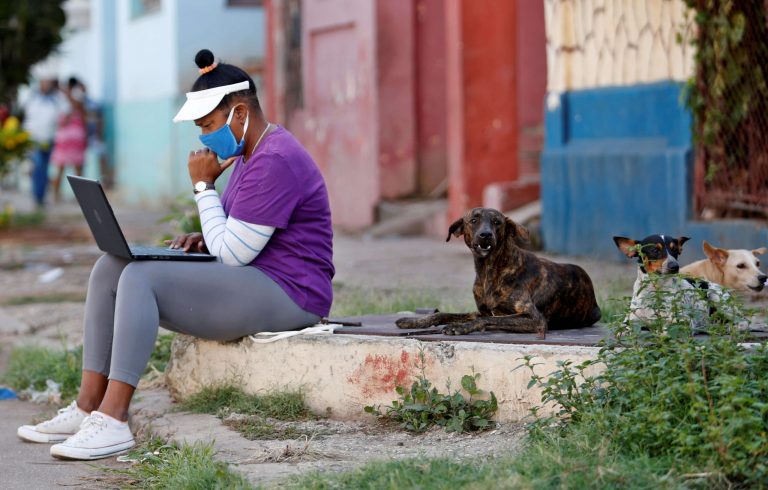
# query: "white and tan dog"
734,269
682,300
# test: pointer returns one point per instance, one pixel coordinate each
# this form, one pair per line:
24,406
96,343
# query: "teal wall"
150,151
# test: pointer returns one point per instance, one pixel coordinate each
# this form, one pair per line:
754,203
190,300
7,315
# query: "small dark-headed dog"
514,290
657,255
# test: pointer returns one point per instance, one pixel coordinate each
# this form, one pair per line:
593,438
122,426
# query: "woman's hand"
204,166
191,242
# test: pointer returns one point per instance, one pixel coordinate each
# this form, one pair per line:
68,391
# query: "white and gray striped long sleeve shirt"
232,241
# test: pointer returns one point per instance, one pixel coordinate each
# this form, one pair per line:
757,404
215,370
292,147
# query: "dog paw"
408,322
459,329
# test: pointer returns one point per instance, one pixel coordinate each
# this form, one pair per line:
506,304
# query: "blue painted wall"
151,152
619,161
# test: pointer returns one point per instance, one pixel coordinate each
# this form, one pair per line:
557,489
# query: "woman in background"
71,138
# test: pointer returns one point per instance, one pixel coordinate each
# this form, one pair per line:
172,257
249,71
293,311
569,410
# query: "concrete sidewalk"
30,466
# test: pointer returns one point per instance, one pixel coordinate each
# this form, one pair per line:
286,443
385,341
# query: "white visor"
202,102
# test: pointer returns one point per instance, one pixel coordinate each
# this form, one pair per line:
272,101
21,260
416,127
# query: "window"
144,7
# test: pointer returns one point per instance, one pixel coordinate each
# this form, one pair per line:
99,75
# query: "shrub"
700,402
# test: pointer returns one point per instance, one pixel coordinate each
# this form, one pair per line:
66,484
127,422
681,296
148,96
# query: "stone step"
341,374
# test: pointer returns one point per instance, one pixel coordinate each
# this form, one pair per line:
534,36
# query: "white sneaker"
63,425
100,436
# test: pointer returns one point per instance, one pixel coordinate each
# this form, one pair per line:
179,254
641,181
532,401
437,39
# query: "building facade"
137,59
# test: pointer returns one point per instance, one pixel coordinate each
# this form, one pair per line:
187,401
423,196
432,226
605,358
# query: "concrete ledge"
342,373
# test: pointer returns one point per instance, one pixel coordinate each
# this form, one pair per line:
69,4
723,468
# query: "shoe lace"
68,408
92,425
62,413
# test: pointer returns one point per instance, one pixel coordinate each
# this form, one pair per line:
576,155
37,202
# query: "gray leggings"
127,301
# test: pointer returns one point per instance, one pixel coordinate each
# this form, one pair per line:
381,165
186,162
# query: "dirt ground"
325,445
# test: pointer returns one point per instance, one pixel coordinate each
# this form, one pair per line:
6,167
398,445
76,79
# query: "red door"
340,103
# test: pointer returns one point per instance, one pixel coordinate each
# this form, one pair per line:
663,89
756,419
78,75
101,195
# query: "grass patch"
44,298
350,301
419,473
574,462
228,398
11,219
161,465
250,414
254,427
32,366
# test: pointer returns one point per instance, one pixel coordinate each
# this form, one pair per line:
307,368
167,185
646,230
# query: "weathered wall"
598,43
341,374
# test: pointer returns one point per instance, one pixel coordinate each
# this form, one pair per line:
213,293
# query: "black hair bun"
204,58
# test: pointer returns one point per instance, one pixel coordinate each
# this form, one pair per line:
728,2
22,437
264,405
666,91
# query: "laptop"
109,237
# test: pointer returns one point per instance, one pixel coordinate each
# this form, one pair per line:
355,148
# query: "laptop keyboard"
143,250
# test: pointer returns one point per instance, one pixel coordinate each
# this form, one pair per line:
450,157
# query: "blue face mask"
222,141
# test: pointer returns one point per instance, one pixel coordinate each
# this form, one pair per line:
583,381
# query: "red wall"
431,111
531,83
429,92
396,83
482,98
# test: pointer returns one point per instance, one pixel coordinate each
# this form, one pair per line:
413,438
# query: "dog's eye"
757,264
496,222
473,220
741,266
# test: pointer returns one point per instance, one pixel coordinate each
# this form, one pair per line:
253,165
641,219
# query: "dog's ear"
759,251
718,256
456,229
680,242
627,246
520,234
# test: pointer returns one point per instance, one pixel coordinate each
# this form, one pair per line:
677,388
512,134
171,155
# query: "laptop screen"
98,213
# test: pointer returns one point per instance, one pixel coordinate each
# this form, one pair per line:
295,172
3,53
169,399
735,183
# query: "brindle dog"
514,290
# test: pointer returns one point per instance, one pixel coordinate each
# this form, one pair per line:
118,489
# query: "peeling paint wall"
340,374
598,43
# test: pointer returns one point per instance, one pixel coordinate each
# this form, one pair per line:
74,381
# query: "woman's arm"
233,241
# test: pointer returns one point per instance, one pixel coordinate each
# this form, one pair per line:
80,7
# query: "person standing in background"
41,114
71,138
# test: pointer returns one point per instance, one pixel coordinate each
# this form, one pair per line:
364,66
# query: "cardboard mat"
384,325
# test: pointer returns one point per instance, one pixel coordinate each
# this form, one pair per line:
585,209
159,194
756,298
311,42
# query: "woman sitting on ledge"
270,231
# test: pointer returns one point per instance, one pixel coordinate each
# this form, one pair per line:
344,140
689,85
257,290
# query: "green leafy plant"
423,406
697,403
728,94
14,143
183,216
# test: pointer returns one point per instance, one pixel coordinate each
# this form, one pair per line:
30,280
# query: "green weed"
161,465
696,404
228,398
423,406
255,427
183,215
252,411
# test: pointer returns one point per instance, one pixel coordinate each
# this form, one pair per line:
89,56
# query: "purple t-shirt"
281,186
